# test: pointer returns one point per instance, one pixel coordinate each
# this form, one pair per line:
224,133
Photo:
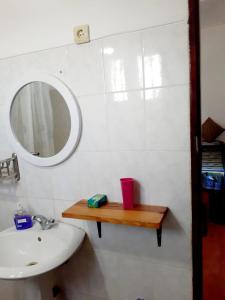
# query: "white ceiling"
212,12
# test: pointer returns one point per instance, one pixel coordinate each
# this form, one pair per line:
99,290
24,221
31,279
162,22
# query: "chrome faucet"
43,221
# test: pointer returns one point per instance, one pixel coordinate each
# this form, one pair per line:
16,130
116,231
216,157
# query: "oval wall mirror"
44,120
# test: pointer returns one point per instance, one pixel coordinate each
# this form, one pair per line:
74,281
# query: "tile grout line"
144,88
183,20
105,92
134,90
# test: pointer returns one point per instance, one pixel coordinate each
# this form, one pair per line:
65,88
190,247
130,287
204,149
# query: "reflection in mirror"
40,119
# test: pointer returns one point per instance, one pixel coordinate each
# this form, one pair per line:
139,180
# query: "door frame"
195,123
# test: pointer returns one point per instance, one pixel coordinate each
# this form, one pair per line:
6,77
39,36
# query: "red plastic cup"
127,186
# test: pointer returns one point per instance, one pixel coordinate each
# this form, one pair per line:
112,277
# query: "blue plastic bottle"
22,219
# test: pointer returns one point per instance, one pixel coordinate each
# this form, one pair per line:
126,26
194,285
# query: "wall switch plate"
81,34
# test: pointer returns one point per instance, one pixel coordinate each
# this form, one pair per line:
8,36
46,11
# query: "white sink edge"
15,273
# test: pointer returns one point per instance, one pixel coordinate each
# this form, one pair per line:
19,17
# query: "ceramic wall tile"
144,275
6,145
37,181
76,274
167,118
142,243
8,205
167,169
170,277
59,207
10,188
6,75
66,182
87,173
139,284
39,206
108,263
52,60
95,135
97,288
128,277
84,68
125,117
123,64
167,179
129,164
166,55
96,176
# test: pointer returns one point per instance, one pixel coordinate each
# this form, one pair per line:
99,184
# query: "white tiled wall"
27,26
133,90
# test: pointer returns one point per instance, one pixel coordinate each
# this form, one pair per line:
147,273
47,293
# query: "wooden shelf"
142,215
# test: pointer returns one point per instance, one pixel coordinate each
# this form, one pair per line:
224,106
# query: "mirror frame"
75,115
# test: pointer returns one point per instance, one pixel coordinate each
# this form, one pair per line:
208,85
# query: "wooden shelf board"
142,215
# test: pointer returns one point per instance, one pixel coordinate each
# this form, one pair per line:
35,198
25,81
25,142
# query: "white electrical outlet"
81,34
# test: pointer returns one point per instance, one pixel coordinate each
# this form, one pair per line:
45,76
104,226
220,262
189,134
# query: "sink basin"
33,251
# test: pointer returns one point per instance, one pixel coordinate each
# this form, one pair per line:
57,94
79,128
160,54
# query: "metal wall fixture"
9,168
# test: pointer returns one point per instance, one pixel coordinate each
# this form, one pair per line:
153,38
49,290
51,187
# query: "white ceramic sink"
33,251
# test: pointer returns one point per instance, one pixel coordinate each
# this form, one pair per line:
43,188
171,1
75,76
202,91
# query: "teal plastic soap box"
97,201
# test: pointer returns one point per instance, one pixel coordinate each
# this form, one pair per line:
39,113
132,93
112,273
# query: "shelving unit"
147,216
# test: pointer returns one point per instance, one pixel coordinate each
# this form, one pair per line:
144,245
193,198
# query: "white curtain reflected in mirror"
40,119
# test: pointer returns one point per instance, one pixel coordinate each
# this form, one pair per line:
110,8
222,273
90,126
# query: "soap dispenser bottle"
22,219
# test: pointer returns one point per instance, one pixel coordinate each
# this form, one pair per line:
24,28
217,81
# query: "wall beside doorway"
212,73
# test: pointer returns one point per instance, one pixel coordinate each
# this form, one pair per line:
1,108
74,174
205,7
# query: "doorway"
212,40
208,152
